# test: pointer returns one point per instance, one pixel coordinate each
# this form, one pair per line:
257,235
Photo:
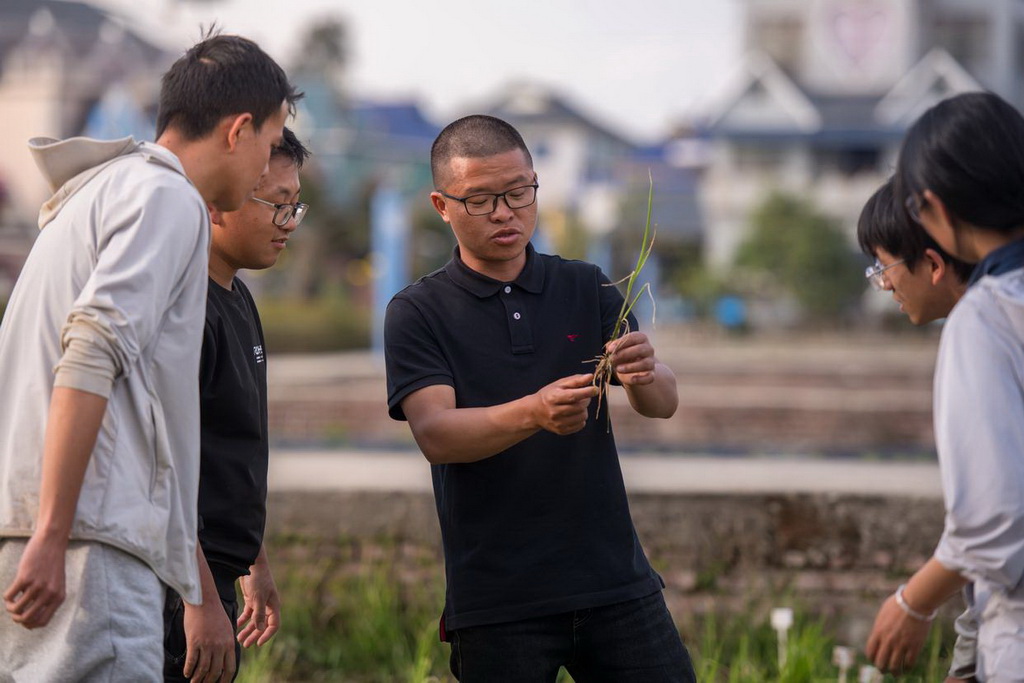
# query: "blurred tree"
804,253
431,241
336,232
324,50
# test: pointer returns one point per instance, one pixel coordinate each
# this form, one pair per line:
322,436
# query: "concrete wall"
836,556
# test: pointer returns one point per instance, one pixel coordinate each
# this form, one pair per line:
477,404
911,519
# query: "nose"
502,211
887,284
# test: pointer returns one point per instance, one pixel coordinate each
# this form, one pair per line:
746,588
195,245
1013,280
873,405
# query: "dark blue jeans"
630,641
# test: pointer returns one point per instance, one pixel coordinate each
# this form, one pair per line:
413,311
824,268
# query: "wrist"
207,606
531,420
52,531
909,610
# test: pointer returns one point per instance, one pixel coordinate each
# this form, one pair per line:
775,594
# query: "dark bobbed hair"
884,224
969,151
474,136
222,75
290,148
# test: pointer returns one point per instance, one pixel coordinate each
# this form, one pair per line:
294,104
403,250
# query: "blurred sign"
855,46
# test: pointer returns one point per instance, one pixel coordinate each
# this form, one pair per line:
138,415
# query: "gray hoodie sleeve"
89,362
143,249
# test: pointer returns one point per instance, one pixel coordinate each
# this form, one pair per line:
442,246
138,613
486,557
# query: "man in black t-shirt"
200,642
487,360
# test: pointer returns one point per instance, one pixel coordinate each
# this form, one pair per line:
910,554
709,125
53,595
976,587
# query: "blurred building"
595,179
590,175
66,68
62,65
360,143
827,89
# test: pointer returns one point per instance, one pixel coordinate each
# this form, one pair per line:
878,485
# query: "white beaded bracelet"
910,610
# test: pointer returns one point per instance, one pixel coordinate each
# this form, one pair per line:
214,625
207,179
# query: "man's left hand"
633,358
261,617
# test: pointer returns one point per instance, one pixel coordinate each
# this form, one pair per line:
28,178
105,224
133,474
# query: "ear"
236,126
216,215
937,267
440,203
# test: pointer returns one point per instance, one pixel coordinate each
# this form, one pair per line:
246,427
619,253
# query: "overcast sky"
635,65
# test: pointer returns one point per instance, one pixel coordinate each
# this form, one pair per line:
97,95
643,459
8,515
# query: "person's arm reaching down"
73,423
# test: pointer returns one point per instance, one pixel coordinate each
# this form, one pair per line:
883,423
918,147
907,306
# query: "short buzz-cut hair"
474,136
885,224
222,75
290,148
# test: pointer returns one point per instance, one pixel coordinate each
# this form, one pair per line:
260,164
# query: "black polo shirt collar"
530,279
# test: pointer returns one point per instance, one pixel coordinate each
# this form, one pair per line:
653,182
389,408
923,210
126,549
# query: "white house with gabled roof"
827,90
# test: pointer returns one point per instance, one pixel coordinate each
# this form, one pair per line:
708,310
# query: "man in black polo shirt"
200,642
487,358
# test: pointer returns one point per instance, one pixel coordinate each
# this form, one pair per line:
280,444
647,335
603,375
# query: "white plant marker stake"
869,674
782,621
843,658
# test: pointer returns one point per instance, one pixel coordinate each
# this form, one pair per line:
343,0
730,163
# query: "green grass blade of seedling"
646,289
646,245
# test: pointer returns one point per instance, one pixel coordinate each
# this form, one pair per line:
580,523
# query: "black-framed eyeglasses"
487,203
876,273
285,212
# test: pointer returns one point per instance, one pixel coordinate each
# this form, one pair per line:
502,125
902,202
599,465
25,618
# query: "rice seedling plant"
603,371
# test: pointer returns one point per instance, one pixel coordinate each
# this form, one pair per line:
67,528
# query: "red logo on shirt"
571,337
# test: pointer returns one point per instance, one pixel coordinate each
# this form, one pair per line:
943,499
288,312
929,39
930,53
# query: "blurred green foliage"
804,253
349,617
367,612
327,323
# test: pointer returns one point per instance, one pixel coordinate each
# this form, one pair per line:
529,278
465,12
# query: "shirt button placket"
519,332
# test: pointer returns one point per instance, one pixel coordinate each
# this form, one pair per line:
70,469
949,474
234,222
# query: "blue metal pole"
389,233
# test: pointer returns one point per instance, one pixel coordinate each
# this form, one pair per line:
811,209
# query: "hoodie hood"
68,165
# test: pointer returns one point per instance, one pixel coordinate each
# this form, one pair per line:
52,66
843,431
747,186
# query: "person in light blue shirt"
961,176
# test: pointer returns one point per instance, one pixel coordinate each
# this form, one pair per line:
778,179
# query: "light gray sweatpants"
109,629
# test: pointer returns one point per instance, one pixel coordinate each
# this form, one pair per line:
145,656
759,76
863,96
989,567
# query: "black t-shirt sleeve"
412,355
208,357
207,369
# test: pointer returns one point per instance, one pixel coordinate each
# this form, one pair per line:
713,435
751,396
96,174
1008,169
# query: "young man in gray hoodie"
99,353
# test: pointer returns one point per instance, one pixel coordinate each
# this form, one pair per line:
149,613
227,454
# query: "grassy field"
367,613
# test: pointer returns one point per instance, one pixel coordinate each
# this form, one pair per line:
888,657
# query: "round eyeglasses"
285,212
486,204
876,273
